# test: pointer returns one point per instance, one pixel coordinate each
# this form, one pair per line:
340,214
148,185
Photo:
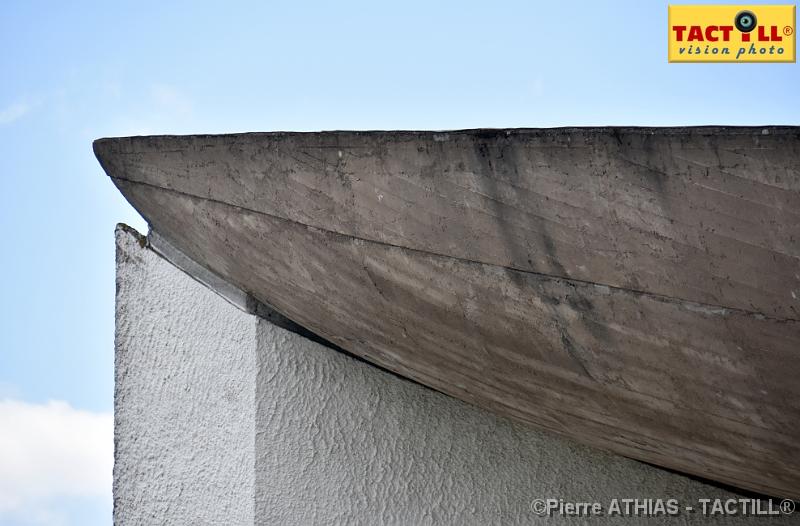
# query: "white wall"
224,418
184,408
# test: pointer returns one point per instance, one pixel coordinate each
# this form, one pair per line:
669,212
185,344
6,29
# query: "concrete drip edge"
228,291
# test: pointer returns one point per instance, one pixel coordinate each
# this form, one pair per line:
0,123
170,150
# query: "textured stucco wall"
184,407
223,418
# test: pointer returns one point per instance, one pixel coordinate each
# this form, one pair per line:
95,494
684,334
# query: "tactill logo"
729,33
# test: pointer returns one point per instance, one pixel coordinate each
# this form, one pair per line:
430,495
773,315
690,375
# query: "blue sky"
76,71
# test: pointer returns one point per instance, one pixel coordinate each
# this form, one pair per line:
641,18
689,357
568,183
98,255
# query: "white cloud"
52,451
14,112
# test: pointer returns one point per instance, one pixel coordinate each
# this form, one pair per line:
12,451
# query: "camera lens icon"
745,21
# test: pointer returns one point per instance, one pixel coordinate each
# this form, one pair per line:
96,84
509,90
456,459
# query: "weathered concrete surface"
222,418
708,215
633,288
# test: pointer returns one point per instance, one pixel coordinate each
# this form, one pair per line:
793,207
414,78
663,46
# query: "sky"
71,72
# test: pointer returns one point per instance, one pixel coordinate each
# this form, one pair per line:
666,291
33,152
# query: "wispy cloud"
49,452
14,112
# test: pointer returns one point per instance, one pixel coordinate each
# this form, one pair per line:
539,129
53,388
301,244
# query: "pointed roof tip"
98,144
102,152
102,144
